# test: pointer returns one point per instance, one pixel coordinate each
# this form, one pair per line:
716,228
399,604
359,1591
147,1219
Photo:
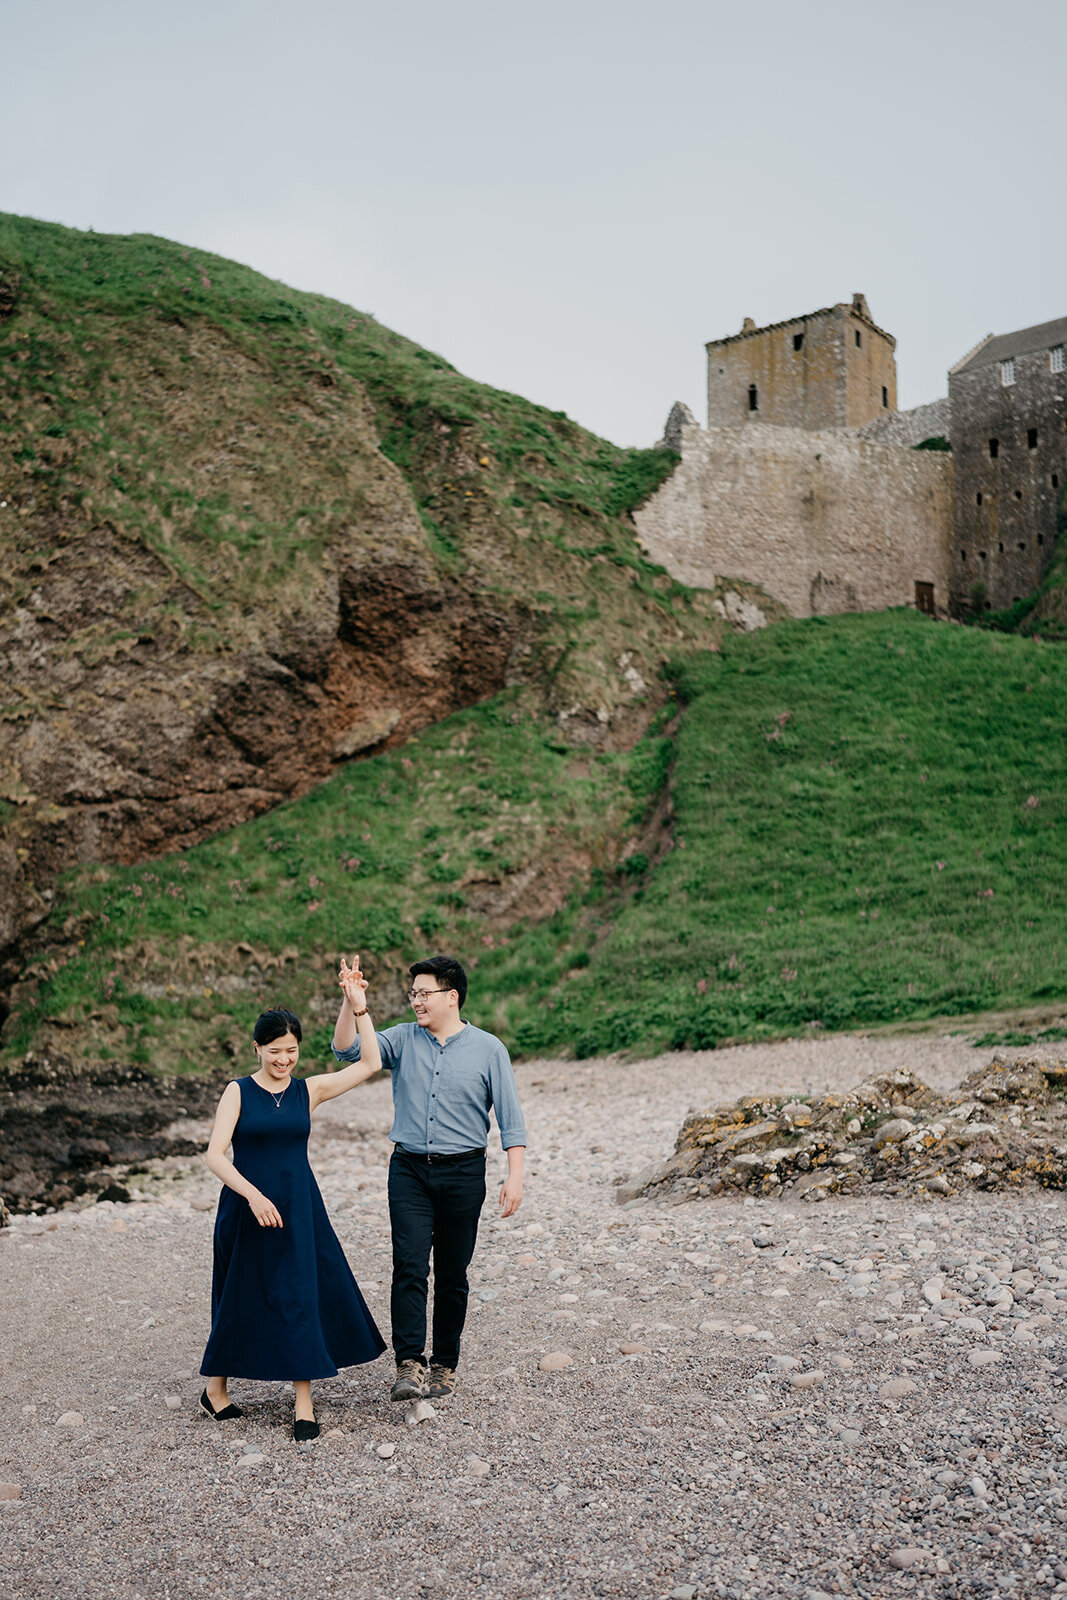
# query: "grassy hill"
835,823
248,532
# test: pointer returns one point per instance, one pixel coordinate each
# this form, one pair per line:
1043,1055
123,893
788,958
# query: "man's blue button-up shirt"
442,1093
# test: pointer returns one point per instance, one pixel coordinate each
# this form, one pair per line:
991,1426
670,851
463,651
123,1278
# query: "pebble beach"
722,1397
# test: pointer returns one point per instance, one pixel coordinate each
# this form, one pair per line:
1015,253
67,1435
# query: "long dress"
284,1303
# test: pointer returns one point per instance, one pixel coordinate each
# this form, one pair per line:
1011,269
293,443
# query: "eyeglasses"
420,994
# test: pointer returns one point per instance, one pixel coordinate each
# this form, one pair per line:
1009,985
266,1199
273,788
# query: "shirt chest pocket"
460,1084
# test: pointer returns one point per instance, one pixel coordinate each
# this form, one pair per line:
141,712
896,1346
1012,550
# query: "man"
446,1075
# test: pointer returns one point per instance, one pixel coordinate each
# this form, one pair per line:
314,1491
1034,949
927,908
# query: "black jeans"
432,1205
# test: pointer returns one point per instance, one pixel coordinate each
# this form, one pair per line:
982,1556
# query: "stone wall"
824,522
1009,443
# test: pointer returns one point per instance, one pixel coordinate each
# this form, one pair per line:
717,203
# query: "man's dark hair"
275,1024
447,971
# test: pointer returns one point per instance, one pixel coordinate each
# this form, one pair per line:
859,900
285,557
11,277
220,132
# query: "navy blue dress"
284,1303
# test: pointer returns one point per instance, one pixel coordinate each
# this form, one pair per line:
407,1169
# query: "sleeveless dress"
284,1303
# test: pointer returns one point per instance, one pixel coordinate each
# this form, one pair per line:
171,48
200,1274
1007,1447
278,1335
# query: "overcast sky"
568,199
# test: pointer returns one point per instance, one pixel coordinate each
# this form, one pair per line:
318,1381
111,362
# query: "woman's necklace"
277,1098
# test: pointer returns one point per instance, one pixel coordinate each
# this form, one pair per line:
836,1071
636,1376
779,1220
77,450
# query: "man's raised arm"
346,1031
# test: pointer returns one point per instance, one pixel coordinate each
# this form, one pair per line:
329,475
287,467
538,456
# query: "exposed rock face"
1004,1126
743,615
63,1128
147,743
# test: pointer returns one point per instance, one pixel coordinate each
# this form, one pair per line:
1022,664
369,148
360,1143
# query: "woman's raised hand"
354,984
265,1211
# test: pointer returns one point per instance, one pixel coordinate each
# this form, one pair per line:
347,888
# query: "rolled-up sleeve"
504,1094
387,1044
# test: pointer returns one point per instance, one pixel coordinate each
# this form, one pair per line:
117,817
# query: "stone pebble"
807,1380
897,1388
907,1556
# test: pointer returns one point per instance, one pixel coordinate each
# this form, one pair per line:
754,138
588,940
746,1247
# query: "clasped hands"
354,985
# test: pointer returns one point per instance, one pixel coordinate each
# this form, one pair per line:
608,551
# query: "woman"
284,1303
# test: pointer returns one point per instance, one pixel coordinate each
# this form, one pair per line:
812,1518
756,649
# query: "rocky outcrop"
1005,1126
65,1128
128,741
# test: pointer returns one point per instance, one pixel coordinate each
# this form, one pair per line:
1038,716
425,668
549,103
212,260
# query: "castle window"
1031,438
963,555
1055,480
798,342
978,498
1018,494
994,449
753,397
1055,359
859,339
981,555
1022,544
1041,538
1001,549
885,396
1007,373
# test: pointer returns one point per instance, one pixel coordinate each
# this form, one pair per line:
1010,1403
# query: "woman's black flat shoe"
227,1414
304,1431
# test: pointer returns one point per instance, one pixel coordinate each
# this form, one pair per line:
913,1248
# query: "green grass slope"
471,837
842,822
870,826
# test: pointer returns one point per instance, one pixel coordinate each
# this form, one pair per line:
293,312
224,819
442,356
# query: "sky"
567,199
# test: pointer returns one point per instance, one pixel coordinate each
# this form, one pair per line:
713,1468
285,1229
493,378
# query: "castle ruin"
807,481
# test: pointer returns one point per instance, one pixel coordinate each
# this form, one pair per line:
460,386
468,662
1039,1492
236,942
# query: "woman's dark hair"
447,971
275,1024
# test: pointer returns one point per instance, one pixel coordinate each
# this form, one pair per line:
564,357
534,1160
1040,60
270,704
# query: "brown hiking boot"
442,1382
410,1381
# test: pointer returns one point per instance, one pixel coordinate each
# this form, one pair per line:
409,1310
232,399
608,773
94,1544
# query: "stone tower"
833,368
1008,400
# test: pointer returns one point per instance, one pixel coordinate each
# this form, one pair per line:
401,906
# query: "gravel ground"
861,1397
